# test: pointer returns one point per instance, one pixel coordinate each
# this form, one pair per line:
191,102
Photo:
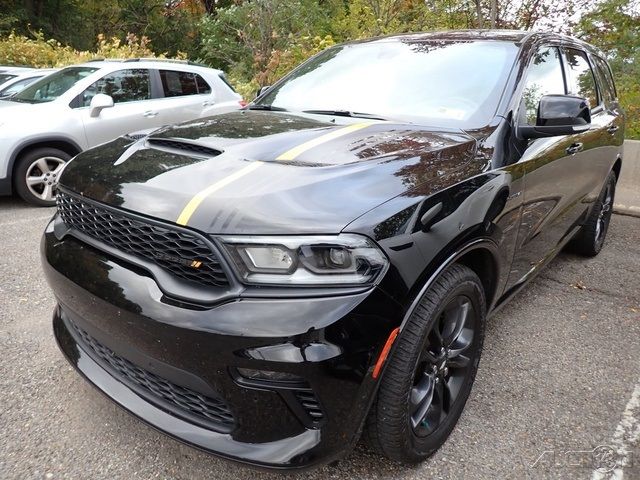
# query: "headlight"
346,259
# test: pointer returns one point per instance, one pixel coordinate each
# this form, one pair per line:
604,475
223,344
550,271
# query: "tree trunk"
493,14
209,6
479,14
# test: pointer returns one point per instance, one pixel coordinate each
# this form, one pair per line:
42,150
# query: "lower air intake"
192,406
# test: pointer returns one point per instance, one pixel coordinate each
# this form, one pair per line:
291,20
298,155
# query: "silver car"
11,82
50,121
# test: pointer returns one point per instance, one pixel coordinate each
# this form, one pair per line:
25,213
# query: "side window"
606,79
580,78
123,86
178,84
203,86
544,77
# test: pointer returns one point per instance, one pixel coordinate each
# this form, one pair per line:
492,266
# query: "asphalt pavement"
557,394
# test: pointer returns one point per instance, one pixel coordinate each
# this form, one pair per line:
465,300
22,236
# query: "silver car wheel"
42,177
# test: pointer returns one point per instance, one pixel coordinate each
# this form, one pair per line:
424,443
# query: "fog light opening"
269,376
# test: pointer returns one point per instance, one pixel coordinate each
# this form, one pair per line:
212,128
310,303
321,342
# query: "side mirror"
99,102
559,115
262,90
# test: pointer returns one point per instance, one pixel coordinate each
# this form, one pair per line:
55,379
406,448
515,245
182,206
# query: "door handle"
150,114
613,129
575,148
208,103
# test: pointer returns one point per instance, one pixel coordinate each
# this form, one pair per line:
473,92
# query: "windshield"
51,87
436,83
15,87
6,76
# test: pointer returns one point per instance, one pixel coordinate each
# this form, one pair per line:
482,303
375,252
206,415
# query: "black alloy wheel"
429,375
590,238
444,366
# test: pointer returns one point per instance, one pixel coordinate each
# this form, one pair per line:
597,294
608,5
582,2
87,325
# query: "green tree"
614,26
244,36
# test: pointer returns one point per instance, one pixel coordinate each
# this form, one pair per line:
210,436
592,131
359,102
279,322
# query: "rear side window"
581,81
606,79
178,84
123,86
544,77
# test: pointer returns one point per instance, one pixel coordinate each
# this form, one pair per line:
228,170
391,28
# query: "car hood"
7,107
253,172
13,112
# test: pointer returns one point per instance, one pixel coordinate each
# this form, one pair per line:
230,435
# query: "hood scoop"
183,146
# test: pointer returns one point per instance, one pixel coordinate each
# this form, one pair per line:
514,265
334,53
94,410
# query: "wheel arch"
479,254
65,144
617,167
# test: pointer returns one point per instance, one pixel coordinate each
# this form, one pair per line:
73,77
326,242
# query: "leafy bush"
630,101
280,63
36,52
39,52
297,51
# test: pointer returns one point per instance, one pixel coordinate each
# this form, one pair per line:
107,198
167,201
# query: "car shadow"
14,203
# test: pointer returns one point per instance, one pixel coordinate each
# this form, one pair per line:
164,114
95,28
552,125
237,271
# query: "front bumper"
111,314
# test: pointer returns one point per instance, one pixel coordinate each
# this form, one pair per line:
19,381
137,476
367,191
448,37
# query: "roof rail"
167,60
102,59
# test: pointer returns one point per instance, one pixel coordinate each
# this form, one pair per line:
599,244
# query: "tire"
391,428
590,239
45,165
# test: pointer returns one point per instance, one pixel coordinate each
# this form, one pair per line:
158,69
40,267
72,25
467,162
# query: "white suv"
46,124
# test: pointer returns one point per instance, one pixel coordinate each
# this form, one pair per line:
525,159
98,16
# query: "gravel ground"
557,379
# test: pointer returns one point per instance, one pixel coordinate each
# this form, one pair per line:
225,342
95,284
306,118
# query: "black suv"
269,283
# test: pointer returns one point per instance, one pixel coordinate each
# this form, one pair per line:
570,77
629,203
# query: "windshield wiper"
269,108
346,113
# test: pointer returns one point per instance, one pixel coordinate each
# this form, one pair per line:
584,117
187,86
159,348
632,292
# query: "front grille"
184,146
179,400
181,253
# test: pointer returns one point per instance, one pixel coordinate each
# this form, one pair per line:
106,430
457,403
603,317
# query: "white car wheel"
37,174
42,177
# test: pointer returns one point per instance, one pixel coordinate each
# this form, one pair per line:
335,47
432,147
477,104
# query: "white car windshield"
447,83
4,77
52,86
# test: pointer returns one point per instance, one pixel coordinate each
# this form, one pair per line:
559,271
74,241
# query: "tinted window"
580,77
544,77
446,83
606,79
177,84
203,86
123,86
52,86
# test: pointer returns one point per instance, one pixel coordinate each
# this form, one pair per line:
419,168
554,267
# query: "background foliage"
257,41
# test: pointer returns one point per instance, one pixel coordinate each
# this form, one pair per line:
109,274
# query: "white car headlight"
341,260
